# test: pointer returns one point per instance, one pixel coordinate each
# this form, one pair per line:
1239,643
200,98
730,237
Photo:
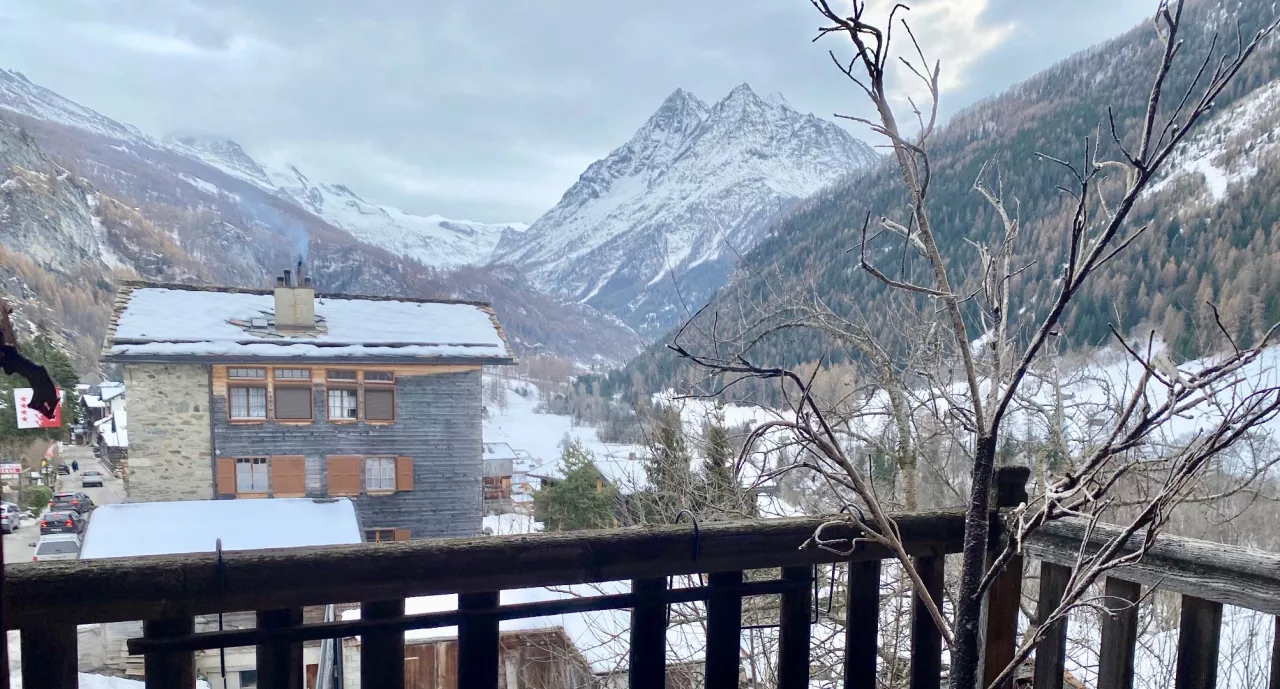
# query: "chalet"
241,393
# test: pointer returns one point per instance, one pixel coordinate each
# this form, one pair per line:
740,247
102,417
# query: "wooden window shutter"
293,403
402,535
404,473
344,475
226,476
379,404
288,476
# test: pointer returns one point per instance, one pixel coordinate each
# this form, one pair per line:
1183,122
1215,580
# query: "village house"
240,393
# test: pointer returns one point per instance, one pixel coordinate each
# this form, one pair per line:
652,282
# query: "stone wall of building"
169,450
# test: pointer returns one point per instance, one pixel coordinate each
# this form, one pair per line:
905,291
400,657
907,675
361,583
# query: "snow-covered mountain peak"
778,100
693,181
219,152
20,95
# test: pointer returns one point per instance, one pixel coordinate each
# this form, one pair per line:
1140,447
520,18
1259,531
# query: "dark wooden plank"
1200,628
1275,655
1232,575
279,663
1119,633
478,641
724,631
794,617
648,634
173,670
926,639
164,586
1001,639
382,652
347,628
49,656
1051,652
862,625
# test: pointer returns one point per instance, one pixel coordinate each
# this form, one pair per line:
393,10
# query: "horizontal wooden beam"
111,590
1232,575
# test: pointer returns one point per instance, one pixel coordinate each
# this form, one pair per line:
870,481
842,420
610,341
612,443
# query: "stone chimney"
295,302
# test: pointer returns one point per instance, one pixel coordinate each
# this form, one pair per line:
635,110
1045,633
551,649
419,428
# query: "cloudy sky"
485,110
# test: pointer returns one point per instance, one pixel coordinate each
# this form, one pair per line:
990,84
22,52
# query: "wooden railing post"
1275,654
1200,628
926,639
862,625
1005,596
793,629
1119,634
49,657
648,634
175,670
478,641
279,664
382,653
1051,652
724,631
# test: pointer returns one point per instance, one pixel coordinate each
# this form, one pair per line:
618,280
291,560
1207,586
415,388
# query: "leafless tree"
972,387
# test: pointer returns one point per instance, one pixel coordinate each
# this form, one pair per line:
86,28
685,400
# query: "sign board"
10,470
30,418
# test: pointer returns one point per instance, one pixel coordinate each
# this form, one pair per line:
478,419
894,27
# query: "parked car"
90,478
10,517
77,501
58,546
62,522
64,468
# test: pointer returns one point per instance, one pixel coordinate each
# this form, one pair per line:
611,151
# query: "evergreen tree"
581,500
720,487
671,482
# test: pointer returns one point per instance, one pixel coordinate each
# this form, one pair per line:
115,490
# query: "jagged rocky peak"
693,180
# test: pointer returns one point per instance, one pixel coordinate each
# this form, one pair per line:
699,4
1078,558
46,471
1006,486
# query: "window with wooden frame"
379,396
252,475
247,403
292,394
246,373
342,395
385,535
379,474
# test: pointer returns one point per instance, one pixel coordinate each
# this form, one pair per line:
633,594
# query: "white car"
10,517
57,546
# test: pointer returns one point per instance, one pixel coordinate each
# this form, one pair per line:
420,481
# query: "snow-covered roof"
118,437
111,390
92,401
194,526
496,451
167,322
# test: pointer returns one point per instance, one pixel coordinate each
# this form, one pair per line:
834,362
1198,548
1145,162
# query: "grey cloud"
467,109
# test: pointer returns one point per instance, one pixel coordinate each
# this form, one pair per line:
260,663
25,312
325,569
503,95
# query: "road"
16,544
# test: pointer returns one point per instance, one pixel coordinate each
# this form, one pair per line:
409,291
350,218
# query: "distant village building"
239,393
103,422
499,468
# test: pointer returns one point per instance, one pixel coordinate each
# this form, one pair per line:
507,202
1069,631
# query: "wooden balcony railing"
46,601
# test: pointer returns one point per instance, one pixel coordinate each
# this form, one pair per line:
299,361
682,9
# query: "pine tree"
667,468
581,500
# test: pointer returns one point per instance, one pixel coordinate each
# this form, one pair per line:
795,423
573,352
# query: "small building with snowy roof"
241,393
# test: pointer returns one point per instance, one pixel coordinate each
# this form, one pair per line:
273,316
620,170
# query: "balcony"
46,601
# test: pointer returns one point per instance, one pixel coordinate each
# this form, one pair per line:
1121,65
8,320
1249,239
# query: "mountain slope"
169,214
694,185
1213,215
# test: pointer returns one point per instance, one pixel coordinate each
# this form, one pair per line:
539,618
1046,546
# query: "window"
293,403
341,375
247,403
248,679
342,404
292,373
257,373
379,473
251,475
385,535
379,377
379,404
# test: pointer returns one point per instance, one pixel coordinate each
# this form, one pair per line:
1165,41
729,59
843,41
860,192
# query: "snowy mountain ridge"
432,240
693,186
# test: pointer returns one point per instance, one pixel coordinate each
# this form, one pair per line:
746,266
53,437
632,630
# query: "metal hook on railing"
697,552
222,604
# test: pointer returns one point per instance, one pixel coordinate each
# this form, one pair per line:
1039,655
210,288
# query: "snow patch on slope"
1230,147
